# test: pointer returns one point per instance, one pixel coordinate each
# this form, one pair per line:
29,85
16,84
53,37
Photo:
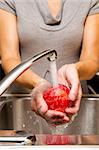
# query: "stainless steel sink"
16,114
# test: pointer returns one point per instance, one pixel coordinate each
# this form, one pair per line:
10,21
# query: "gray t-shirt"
38,30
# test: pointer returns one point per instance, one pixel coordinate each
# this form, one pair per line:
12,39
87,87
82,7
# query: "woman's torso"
38,31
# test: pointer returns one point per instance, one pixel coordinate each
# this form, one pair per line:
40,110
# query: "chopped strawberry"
57,98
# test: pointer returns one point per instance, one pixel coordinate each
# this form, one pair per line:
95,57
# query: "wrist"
79,66
86,69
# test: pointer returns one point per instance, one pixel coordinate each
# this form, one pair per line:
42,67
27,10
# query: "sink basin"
16,114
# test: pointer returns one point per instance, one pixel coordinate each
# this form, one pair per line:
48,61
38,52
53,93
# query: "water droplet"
28,111
23,125
10,106
30,117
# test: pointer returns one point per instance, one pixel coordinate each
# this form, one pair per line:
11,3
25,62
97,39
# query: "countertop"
18,138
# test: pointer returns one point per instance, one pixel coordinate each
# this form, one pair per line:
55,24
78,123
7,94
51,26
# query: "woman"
28,27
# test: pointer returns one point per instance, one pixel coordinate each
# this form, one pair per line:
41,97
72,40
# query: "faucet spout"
18,70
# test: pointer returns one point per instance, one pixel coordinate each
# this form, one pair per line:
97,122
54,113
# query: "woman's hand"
40,107
68,75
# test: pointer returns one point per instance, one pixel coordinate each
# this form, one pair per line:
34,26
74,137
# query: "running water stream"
60,128
53,70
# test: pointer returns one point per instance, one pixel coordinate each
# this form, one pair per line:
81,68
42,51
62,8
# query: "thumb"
74,91
61,79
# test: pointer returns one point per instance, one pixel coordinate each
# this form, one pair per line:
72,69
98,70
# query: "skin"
9,44
54,6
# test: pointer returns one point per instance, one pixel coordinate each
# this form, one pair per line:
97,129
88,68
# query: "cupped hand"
40,107
68,75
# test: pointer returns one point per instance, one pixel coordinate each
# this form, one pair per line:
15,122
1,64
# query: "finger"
57,117
79,93
75,109
41,105
52,115
59,122
33,105
61,77
74,90
62,80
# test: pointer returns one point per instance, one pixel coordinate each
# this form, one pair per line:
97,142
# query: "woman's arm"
86,67
89,59
9,47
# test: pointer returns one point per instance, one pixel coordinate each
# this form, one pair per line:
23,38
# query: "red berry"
57,98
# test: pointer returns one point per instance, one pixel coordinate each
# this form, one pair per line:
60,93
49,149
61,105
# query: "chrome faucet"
18,70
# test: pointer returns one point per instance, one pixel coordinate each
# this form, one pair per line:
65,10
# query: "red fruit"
57,98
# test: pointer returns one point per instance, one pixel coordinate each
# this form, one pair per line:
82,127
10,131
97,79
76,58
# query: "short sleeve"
8,5
94,9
